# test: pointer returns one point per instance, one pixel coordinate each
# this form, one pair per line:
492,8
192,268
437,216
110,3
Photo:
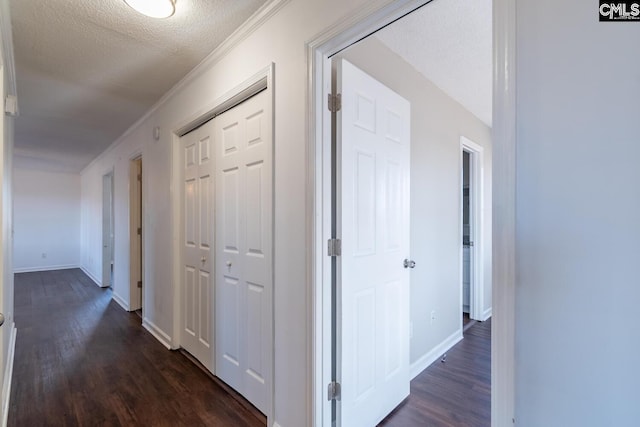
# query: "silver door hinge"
333,391
334,102
334,247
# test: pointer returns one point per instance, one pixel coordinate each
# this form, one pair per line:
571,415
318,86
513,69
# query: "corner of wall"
158,333
121,301
425,361
91,276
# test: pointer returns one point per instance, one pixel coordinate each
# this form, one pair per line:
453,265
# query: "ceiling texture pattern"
89,69
449,42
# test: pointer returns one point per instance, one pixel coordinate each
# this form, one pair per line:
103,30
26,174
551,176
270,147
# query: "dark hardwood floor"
83,361
456,393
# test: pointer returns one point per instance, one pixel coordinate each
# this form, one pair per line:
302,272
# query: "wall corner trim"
425,361
121,302
8,374
91,276
158,333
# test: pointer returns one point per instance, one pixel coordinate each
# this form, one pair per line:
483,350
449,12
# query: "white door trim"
477,192
262,80
340,35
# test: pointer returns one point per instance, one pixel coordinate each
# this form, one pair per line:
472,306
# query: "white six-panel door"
244,249
373,136
197,239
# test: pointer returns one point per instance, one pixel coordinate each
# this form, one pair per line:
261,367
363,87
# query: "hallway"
87,362
81,360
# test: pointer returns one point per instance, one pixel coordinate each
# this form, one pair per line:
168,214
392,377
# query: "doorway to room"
107,230
136,230
431,331
473,226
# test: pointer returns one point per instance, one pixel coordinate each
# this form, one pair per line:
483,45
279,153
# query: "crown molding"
254,22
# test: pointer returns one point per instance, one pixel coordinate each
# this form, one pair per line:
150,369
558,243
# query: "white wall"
578,199
437,122
47,220
280,40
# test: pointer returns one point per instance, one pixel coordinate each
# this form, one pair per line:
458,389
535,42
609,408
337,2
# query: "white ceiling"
88,69
449,42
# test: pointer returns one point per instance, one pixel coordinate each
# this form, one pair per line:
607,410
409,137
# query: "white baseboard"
121,301
8,375
164,339
276,424
91,276
487,314
45,268
423,363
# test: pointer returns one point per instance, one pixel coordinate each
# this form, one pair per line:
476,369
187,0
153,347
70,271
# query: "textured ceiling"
449,42
88,69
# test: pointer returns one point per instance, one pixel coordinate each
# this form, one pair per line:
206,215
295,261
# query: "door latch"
409,263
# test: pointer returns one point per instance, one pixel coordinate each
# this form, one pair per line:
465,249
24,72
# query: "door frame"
263,80
108,281
476,211
134,304
349,30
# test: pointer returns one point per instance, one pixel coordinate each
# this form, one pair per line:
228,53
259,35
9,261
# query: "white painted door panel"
197,290
244,249
373,223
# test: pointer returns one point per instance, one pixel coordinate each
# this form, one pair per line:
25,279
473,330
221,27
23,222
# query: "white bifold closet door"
244,277
197,282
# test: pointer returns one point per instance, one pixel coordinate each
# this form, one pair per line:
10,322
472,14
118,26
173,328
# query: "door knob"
1,319
409,263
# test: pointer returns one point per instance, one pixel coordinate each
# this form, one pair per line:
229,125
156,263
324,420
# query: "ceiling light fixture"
154,8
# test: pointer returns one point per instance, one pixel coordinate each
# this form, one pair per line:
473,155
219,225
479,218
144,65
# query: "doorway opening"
321,51
136,230
107,230
472,196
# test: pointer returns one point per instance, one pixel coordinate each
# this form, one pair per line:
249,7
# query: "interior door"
135,238
197,286
373,147
244,249
107,230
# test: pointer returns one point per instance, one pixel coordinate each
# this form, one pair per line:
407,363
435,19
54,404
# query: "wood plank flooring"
456,393
83,361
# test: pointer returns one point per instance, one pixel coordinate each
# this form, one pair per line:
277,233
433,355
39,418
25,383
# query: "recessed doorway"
442,322
136,240
107,230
